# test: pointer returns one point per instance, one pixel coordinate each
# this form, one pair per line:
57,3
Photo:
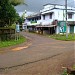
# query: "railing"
7,34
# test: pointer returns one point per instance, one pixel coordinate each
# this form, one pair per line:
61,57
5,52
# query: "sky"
37,5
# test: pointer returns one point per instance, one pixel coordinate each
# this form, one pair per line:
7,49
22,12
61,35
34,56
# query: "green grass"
71,37
12,42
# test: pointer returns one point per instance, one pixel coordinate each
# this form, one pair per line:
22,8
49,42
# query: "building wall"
59,13
47,20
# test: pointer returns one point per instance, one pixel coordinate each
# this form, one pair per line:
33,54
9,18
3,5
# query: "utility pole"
66,19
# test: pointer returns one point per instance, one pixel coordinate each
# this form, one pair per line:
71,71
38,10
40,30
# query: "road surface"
42,56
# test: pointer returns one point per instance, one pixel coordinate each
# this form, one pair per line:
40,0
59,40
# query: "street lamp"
25,19
25,13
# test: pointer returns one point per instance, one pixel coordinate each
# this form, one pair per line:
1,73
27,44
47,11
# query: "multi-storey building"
52,17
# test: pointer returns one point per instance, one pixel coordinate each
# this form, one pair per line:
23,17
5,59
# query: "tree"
16,2
21,20
8,14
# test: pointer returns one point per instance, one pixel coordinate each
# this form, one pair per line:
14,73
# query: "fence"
7,34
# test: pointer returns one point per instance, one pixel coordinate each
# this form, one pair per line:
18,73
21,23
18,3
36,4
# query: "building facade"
49,17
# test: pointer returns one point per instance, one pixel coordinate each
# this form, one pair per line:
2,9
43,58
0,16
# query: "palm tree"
17,2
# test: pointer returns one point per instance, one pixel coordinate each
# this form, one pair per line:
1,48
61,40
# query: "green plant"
12,42
65,72
74,67
71,37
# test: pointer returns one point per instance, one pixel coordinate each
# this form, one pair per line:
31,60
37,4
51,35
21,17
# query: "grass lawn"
71,37
12,42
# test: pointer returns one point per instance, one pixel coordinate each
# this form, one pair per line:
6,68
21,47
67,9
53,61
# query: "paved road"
40,48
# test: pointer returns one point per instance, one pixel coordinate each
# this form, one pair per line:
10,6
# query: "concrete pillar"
68,27
57,30
49,30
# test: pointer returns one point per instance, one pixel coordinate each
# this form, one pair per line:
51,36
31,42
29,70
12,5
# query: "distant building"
34,19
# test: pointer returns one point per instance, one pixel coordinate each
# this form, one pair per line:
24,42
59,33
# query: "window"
69,15
40,18
43,17
50,15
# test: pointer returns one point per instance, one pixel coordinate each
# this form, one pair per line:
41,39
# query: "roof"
53,4
34,15
46,26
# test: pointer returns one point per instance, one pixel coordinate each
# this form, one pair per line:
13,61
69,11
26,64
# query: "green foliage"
16,2
8,14
21,20
13,26
64,72
0,7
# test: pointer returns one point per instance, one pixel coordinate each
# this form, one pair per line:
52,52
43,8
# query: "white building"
34,19
52,12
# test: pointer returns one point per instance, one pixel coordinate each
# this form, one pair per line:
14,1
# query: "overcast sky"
37,5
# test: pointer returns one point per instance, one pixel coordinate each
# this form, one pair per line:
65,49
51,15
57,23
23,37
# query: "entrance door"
72,29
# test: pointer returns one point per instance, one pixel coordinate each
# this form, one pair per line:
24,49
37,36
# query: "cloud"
37,5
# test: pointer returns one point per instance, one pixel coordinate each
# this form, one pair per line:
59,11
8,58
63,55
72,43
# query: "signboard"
33,22
62,26
17,28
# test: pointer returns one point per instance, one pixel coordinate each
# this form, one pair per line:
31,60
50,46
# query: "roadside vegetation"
71,37
69,71
12,42
8,19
